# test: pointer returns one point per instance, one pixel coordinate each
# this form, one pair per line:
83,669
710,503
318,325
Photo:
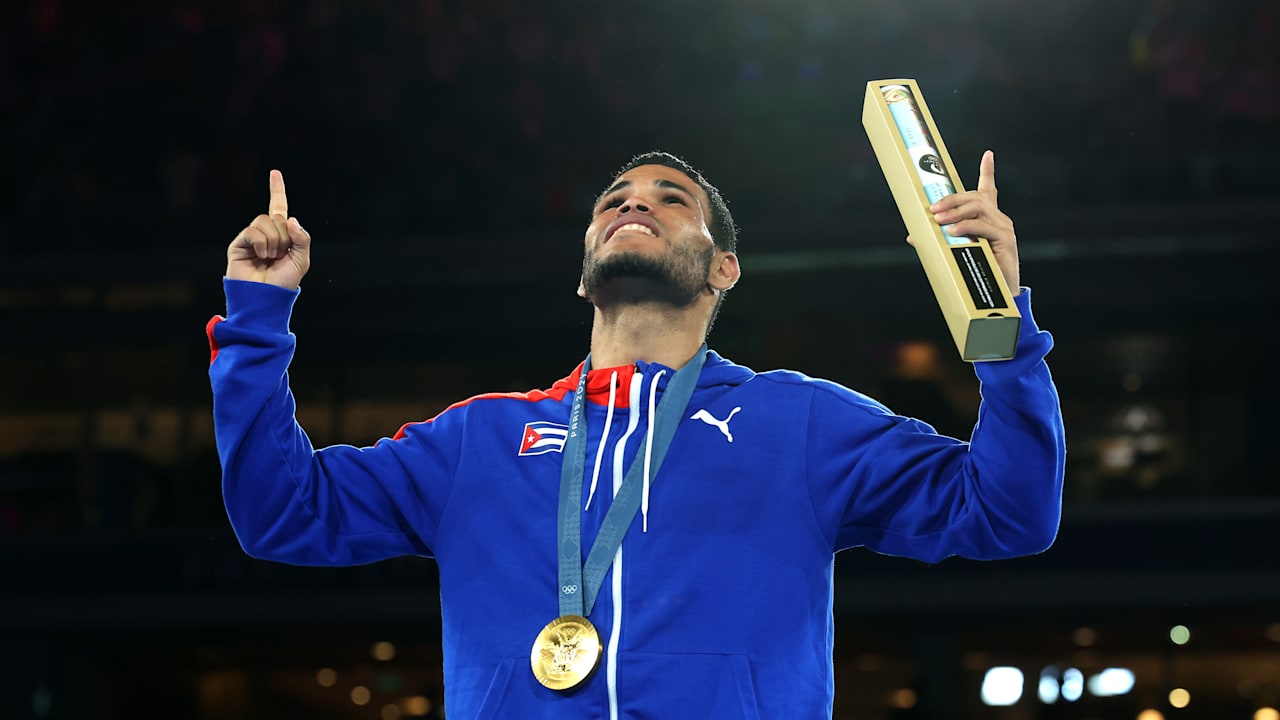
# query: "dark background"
444,156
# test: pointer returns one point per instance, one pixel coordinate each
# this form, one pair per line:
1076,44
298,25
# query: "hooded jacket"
718,604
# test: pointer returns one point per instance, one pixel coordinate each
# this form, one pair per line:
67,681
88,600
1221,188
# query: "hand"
975,213
273,249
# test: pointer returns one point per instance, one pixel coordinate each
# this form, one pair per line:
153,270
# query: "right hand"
273,249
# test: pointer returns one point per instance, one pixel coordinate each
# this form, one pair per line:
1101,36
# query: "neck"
625,335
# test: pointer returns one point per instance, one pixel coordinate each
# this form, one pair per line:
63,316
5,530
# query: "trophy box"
962,270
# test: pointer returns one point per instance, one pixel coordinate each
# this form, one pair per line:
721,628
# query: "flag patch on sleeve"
543,437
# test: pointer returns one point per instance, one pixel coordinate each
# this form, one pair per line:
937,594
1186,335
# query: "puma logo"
723,425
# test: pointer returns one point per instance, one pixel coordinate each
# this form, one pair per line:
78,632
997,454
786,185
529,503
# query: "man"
653,536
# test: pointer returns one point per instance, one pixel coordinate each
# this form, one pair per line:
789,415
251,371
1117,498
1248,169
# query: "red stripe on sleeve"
213,342
555,393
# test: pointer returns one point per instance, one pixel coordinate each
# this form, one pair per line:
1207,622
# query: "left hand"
975,213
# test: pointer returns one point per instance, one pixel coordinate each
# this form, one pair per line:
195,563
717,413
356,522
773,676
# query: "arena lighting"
1085,636
1002,686
383,651
1266,713
416,705
1179,698
360,695
1072,684
1179,634
903,698
1111,682
1150,714
1048,686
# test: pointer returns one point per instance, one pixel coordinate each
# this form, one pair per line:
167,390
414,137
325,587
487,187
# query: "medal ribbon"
579,583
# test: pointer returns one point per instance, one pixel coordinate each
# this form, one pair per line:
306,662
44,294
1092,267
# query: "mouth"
639,224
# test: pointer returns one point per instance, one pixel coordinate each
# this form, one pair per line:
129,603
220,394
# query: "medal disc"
565,652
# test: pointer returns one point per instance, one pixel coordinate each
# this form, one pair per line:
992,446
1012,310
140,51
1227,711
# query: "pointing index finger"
987,174
279,203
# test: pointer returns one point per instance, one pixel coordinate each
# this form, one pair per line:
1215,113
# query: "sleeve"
290,502
895,486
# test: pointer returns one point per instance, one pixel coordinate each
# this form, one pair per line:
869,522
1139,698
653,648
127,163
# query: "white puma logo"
706,417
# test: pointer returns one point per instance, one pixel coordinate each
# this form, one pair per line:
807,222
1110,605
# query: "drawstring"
648,445
604,439
648,452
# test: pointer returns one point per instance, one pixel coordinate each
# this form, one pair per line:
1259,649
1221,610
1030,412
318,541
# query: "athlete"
653,535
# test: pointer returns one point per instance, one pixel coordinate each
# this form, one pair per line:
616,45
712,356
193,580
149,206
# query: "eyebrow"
660,182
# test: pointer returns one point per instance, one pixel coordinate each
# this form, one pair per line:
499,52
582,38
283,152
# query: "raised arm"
894,485
288,501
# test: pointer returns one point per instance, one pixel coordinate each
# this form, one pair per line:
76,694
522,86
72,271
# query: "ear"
724,272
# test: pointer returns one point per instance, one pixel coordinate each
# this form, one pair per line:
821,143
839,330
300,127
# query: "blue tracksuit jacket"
718,604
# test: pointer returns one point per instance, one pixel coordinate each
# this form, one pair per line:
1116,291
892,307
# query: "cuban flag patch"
543,437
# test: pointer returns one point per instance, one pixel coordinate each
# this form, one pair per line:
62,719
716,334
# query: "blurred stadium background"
444,155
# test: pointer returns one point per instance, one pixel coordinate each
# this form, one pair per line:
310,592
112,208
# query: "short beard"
674,279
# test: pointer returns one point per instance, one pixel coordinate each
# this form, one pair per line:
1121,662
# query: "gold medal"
566,652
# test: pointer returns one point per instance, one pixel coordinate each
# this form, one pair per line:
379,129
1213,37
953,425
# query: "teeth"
638,227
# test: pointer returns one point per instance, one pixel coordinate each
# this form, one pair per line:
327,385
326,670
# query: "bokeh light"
903,698
1002,686
416,705
383,651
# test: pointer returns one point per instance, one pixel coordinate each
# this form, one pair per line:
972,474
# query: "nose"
635,203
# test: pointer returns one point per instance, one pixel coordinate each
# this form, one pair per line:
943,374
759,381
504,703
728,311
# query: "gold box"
964,275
